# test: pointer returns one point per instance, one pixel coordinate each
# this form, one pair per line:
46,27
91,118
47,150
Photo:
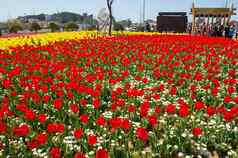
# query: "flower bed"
41,39
128,96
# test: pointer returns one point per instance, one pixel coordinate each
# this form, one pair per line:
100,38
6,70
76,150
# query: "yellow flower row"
46,38
42,39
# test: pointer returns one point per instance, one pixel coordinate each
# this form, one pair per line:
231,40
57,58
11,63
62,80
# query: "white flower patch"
91,153
180,154
136,124
235,129
39,153
89,132
228,126
176,147
184,135
89,106
117,85
107,114
69,140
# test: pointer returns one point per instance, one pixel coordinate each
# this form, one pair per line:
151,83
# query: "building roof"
214,11
172,13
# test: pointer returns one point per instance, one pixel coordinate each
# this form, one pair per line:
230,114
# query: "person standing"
231,31
204,29
215,30
220,31
189,29
236,34
147,26
210,30
227,31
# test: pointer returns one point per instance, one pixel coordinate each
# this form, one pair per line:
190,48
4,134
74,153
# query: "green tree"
15,27
71,27
35,27
92,28
54,27
140,28
117,26
125,23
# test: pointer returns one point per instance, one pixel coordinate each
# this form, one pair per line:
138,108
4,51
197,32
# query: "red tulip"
170,108
42,118
32,144
3,128
197,132
184,111
228,116
211,111
22,130
79,155
199,105
126,125
152,120
101,121
41,138
55,152
55,128
30,115
92,139
57,104
84,118
74,108
78,133
142,134
102,153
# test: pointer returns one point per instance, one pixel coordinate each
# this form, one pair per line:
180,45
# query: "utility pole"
228,3
140,14
194,18
144,14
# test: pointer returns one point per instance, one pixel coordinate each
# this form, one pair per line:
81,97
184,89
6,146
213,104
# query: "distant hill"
62,17
40,17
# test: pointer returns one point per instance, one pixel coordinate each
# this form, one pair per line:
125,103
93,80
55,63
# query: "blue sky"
123,9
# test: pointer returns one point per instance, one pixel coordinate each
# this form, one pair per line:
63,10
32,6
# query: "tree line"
71,26
15,27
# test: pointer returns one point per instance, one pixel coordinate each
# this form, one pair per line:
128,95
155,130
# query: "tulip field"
141,95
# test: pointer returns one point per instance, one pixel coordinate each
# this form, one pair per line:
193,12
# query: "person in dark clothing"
227,31
220,31
204,29
147,26
215,31
231,31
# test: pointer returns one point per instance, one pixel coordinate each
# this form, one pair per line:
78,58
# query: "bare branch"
109,5
111,2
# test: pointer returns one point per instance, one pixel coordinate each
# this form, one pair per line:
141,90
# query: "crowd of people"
215,30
